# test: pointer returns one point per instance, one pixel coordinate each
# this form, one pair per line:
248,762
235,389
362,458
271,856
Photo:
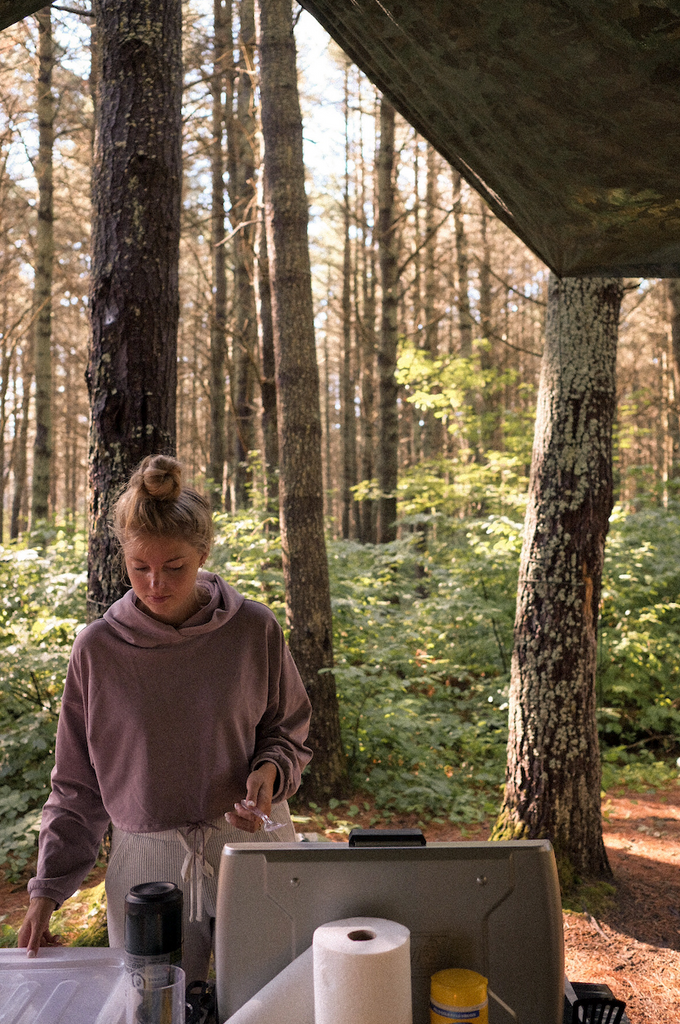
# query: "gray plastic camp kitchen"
490,907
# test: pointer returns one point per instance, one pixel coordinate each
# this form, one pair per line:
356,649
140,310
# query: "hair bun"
162,478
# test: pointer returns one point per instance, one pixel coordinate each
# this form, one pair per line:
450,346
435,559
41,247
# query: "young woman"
182,708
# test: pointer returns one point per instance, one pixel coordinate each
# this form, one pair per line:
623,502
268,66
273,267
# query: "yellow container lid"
458,987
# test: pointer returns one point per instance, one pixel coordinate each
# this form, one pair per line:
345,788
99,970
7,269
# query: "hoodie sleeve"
282,730
74,819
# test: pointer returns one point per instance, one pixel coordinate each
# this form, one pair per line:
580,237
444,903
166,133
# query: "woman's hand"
259,791
34,931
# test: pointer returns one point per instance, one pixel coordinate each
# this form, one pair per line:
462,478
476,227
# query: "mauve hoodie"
161,725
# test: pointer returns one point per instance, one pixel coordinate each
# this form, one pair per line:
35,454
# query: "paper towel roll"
362,972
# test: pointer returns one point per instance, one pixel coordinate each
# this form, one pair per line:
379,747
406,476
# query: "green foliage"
247,552
635,771
42,602
9,936
423,641
639,656
468,399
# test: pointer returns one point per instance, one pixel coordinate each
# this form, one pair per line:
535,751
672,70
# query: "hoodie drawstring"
195,867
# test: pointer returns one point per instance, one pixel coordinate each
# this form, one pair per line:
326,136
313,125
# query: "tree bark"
350,511
218,321
462,267
268,379
369,517
20,461
6,360
388,441
242,192
491,434
673,287
553,775
308,609
433,425
42,445
134,299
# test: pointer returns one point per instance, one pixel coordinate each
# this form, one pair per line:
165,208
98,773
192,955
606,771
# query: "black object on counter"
384,837
594,1004
201,1003
153,921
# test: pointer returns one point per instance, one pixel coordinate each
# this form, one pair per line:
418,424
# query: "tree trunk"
44,248
268,379
388,441
491,435
369,518
134,300
349,429
218,321
462,264
5,368
673,286
245,371
553,776
433,425
308,608
17,523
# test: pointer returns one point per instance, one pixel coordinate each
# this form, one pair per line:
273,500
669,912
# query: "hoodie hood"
137,628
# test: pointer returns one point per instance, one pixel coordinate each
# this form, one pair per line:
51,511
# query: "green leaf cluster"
468,398
247,553
42,604
639,651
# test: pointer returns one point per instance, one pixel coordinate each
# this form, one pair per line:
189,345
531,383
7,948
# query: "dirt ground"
629,941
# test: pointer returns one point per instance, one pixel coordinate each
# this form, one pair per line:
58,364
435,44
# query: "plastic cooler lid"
63,985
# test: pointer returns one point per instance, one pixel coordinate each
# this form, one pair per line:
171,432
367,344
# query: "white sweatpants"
138,857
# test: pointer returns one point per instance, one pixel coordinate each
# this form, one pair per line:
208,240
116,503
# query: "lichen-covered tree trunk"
388,435
218,320
552,785
305,566
134,299
44,259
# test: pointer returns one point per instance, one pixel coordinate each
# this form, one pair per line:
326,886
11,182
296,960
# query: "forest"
423,303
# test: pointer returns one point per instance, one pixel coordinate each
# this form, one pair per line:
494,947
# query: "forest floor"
628,939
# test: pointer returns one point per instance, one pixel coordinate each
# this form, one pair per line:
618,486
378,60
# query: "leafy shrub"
638,771
639,657
42,602
423,642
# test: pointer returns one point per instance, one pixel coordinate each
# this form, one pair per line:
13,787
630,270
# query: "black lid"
153,919
385,837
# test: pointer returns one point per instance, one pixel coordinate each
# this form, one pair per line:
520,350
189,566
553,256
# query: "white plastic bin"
63,985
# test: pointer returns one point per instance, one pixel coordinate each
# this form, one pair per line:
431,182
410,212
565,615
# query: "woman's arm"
282,731
74,818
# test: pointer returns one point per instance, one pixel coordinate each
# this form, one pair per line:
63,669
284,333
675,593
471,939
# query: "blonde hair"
155,503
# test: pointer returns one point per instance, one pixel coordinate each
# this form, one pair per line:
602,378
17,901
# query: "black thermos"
153,930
